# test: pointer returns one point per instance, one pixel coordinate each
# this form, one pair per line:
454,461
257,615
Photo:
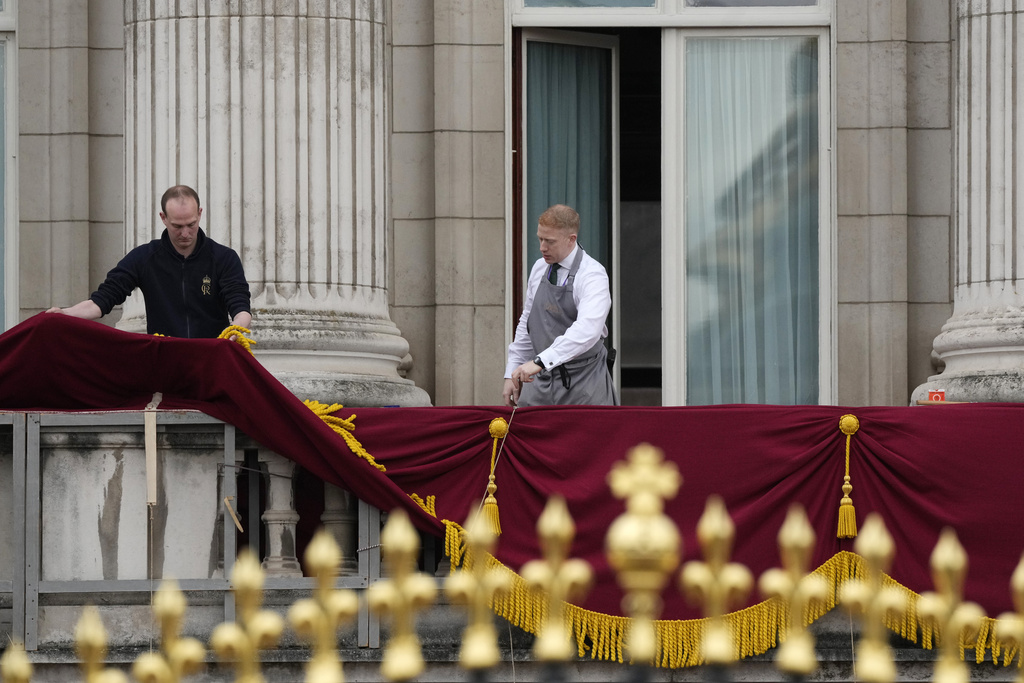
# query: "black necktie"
553,274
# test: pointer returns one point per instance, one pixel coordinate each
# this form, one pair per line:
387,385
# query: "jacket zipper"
188,326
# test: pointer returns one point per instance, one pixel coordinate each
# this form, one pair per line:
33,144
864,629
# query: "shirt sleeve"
593,300
120,282
234,287
521,348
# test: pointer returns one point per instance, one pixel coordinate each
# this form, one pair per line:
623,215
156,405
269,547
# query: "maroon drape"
921,468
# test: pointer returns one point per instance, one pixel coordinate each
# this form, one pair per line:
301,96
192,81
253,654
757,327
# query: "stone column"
276,114
340,519
982,344
280,517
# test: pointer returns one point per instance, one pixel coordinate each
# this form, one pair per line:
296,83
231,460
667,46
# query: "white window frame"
817,21
672,13
673,244
10,275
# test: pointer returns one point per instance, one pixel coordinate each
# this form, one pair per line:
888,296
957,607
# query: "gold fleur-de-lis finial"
945,609
91,646
240,643
561,579
475,586
178,656
716,583
14,665
797,589
1010,625
874,602
401,596
643,545
317,619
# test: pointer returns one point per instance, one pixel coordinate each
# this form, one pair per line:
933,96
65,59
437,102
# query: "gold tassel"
498,429
848,424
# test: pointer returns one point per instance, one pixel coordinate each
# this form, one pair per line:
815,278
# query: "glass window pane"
751,3
568,140
752,220
588,3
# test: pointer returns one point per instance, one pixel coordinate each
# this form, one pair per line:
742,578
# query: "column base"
998,386
981,348
324,356
282,567
353,391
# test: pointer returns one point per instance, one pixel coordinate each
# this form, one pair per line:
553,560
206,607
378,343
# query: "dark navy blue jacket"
185,297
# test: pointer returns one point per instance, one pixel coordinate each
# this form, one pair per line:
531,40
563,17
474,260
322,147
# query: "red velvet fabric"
921,468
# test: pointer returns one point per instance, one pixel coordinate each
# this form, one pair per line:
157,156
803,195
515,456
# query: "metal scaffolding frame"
27,585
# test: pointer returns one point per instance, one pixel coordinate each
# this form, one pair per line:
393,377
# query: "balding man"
193,286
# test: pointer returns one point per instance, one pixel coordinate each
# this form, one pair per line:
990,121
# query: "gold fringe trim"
756,629
240,338
342,428
428,505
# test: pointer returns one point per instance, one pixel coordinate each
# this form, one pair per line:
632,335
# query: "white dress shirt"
593,300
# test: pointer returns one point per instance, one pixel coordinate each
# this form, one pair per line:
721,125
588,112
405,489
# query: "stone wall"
449,194
70,156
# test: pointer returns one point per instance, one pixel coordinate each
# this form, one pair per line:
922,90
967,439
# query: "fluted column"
276,113
982,344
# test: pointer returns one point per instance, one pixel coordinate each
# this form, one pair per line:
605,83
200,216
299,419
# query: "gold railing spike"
178,657
1010,625
475,586
797,590
945,610
401,596
91,647
643,544
239,642
716,583
876,604
15,666
317,619
559,578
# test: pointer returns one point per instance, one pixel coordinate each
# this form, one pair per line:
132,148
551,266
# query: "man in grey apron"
558,356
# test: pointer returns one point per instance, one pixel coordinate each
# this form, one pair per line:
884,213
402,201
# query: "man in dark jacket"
193,286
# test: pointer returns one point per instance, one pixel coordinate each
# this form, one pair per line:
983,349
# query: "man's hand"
526,371
511,392
243,319
85,309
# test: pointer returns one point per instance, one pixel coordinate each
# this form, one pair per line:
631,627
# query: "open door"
568,144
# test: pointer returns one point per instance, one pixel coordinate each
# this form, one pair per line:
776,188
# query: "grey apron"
584,380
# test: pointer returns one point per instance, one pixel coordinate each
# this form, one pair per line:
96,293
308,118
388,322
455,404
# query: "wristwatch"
539,362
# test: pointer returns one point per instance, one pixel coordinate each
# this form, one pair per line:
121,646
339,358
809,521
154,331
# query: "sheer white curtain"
751,228
568,140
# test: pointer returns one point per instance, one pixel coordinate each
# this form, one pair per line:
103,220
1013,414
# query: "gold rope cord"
428,505
240,338
342,427
757,628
